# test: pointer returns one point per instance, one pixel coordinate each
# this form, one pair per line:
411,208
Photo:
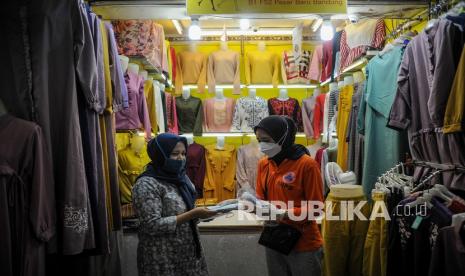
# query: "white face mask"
270,149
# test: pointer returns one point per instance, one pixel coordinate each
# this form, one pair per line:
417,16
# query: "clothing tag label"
416,223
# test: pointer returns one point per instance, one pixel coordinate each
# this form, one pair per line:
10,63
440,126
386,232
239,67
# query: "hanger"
457,219
444,190
438,193
406,178
424,199
427,179
457,9
434,13
379,189
388,179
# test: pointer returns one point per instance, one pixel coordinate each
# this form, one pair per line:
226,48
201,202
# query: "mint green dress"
384,147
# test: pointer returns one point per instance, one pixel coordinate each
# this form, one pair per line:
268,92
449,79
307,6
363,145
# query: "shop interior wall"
277,47
249,46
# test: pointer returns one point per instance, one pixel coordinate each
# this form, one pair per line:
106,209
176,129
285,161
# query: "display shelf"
236,221
205,134
221,86
356,66
256,86
230,134
147,65
297,86
287,86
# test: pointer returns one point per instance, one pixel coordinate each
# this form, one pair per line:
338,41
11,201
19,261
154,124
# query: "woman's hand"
196,213
203,213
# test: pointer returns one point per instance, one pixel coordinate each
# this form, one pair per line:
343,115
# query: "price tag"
416,223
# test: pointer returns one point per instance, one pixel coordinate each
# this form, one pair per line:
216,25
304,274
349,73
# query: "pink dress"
218,114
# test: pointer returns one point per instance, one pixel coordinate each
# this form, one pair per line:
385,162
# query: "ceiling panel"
163,11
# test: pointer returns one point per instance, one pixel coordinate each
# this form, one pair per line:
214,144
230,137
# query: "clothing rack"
441,6
440,168
407,181
404,27
434,11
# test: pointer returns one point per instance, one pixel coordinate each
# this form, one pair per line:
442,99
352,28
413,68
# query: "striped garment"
333,101
348,55
295,70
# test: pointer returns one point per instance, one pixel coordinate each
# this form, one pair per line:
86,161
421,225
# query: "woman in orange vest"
289,174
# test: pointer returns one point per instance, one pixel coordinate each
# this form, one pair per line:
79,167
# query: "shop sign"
203,7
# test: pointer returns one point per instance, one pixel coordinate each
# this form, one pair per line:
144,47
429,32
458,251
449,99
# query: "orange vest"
296,181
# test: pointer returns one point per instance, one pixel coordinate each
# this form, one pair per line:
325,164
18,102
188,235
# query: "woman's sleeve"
148,203
259,191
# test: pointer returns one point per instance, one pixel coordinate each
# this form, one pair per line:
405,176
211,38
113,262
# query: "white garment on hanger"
313,148
159,108
361,33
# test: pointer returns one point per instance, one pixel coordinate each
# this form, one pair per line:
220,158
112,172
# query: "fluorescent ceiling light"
195,32
222,86
297,86
282,86
244,24
228,86
316,24
260,86
235,32
189,86
228,134
177,25
327,31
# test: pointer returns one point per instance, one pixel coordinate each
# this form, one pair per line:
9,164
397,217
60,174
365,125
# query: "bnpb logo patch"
289,178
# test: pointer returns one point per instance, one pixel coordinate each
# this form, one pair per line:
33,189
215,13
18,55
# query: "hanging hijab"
168,170
278,127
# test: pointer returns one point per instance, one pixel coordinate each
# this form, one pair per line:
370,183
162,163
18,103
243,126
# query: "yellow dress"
103,121
130,166
262,67
220,173
343,113
453,119
150,99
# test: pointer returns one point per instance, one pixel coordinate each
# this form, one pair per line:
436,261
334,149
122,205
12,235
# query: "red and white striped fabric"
295,70
348,55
